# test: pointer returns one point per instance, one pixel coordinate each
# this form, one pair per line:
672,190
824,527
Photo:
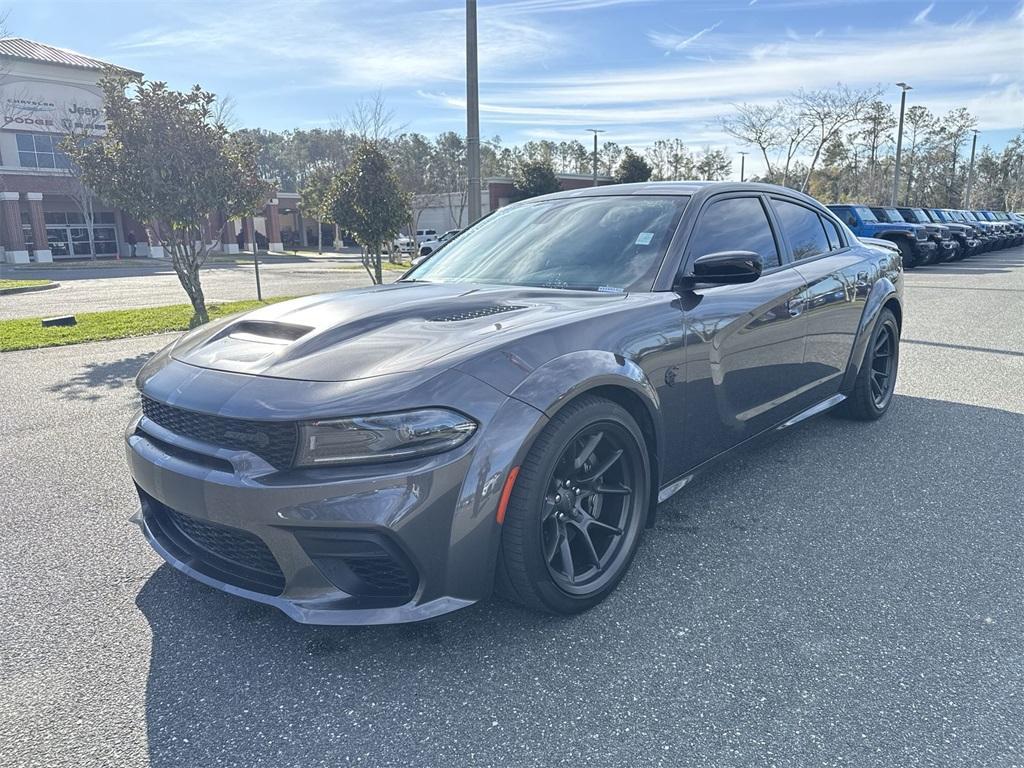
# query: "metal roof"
30,50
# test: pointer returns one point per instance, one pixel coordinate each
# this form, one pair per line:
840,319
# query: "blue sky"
640,69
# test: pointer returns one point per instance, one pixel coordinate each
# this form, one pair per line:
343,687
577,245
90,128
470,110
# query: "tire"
532,566
908,253
864,402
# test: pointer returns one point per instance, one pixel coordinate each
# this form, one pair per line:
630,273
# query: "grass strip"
5,284
27,333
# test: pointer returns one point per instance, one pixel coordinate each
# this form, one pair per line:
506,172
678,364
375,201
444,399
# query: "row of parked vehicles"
932,235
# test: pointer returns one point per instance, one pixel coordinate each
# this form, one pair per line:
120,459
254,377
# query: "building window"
40,150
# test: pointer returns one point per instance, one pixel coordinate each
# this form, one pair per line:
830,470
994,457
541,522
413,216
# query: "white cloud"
922,17
673,43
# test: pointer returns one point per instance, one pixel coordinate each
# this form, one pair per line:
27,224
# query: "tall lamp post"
472,114
743,166
595,131
899,143
970,171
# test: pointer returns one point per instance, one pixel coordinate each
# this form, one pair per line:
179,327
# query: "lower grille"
228,554
366,565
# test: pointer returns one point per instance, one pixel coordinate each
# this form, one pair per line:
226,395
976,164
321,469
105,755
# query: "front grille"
274,442
922,234
225,553
471,314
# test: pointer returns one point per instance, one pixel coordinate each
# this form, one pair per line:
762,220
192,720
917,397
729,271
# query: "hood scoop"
473,314
266,332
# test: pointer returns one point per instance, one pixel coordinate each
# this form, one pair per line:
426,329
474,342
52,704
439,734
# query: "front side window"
803,229
735,224
614,243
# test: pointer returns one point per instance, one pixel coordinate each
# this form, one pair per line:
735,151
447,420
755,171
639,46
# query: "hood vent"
267,332
472,314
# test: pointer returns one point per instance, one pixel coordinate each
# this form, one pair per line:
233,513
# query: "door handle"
795,307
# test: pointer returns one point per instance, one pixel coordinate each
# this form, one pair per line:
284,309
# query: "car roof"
680,188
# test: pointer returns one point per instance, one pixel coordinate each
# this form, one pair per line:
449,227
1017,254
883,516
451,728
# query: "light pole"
899,143
595,131
970,171
743,166
472,114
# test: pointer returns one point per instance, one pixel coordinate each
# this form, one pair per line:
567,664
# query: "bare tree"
828,112
758,126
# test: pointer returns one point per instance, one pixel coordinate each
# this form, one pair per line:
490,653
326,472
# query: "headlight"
386,437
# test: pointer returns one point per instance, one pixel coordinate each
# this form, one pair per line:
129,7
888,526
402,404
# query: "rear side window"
803,229
735,224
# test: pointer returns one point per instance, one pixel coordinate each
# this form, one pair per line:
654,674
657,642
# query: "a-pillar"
272,217
40,245
14,239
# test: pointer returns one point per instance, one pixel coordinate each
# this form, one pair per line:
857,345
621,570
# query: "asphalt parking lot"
849,595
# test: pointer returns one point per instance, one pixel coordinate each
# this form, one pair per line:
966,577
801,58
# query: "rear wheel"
577,509
876,381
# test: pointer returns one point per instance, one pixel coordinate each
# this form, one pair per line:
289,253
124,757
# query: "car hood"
386,329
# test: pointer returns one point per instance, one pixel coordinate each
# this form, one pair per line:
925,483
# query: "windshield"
918,215
865,214
892,215
613,243
938,215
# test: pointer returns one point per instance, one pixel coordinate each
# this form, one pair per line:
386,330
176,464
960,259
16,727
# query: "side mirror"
726,268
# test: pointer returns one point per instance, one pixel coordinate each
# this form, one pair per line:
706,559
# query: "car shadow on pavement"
846,589
95,380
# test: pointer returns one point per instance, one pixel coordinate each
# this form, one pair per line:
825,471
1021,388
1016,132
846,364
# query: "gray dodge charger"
508,415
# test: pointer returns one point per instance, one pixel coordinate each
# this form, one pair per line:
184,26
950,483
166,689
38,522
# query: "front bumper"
390,543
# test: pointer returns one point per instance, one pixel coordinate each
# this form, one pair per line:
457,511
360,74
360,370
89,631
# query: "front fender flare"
882,290
560,380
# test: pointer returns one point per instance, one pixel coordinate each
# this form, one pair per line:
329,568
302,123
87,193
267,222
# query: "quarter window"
803,229
835,239
736,224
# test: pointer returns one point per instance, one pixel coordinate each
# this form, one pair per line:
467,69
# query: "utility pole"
970,172
899,143
472,114
595,131
743,166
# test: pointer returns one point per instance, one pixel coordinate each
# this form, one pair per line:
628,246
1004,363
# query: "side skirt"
668,490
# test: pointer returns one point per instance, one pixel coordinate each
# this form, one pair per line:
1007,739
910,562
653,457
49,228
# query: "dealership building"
45,94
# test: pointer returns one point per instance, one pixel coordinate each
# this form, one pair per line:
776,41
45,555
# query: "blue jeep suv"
912,239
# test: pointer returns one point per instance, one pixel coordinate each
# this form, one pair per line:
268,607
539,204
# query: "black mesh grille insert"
229,554
471,314
274,442
381,575
365,564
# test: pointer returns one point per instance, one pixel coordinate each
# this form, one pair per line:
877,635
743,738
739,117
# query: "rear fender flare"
882,290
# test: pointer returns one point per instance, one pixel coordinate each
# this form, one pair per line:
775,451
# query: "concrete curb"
28,289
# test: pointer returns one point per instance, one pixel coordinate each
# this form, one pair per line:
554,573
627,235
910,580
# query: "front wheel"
876,381
577,510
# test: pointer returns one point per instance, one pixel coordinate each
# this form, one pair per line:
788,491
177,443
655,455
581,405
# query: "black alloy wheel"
577,510
589,507
883,366
873,389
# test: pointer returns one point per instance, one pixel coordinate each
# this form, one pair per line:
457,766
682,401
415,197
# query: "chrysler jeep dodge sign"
45,106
